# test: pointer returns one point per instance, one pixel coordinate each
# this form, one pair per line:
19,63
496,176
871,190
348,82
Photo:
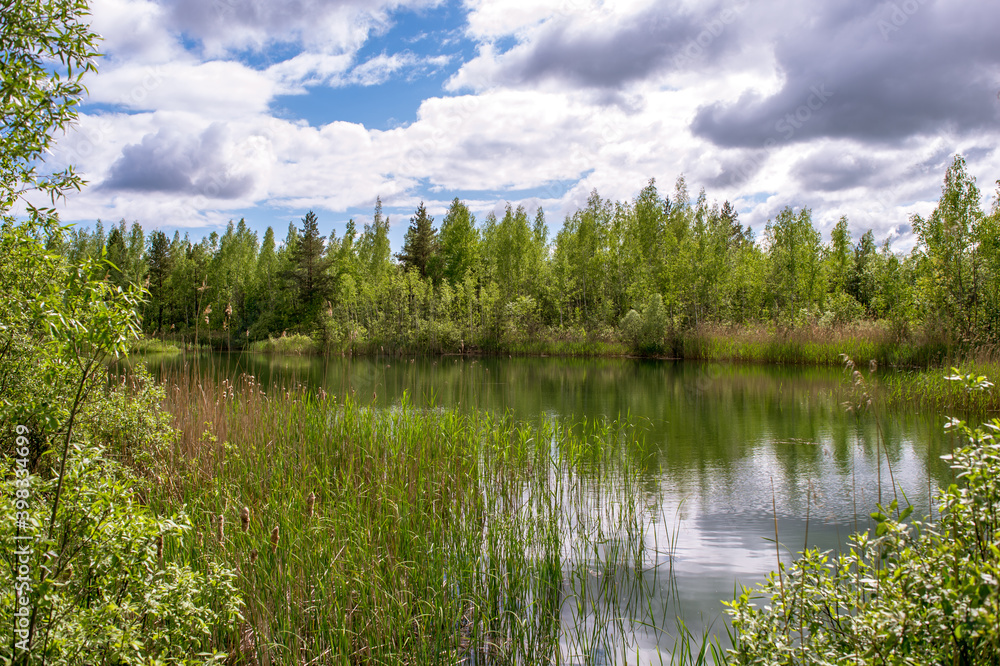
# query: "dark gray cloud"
602,56
873,73
173,163
833,170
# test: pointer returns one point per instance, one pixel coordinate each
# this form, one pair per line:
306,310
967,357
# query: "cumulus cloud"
843,107
830,170
175,163
608,48
879,73
326,25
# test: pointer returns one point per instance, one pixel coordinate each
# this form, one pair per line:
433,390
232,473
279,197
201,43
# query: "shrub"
647,332
108,583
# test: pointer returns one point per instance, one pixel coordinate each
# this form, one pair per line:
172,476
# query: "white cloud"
564,134
215,89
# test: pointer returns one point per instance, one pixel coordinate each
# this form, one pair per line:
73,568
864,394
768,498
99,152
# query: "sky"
206,111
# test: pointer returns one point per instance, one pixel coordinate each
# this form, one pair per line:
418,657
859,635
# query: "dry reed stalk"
310,502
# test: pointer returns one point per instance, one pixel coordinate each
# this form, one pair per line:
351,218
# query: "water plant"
409,535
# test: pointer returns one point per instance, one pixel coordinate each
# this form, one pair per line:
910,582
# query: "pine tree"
160,265
420,244
307,271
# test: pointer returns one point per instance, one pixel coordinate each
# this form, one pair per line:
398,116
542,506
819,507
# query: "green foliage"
911,593
648,331
950,281
841,308
286,344
46,48
111,583
459,243
605,261
420,245
793,247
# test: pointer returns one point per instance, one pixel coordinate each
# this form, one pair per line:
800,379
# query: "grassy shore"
404,536
812,345
918,365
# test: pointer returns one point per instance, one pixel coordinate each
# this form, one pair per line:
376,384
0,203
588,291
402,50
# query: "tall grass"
931,391
366,535
812,345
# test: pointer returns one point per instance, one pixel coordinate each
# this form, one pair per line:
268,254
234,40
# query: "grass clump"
286,344
934,391
153,346
811,345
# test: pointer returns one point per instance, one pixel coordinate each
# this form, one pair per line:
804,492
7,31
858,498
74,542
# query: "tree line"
639,271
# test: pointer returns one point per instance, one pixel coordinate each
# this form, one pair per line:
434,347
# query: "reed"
416,536
812,345
931,391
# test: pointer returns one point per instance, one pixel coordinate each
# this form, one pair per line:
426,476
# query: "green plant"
909,593
118,585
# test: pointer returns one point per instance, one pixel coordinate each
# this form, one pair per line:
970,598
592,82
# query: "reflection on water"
727,451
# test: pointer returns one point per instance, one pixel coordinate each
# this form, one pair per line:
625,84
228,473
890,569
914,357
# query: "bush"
286,344
103,580
920,593
647,332
108,582
841,308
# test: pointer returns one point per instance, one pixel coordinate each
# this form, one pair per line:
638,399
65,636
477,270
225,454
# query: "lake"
728,453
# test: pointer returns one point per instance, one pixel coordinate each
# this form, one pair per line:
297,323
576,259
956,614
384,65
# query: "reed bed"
406,536
931,390
812,345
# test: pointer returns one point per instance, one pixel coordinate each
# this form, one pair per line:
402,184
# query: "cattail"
253,556
245,518
159,548
310,502
221,532
274,538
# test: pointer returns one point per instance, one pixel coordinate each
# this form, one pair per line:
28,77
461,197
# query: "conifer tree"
307,270
420,244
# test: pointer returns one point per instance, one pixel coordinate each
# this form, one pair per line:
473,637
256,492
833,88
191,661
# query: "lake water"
728,451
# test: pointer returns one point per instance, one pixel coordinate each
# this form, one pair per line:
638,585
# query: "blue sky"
211,110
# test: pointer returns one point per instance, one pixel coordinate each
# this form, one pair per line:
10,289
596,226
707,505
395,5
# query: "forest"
638,273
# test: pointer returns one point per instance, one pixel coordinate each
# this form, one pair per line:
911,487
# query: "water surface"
728,455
